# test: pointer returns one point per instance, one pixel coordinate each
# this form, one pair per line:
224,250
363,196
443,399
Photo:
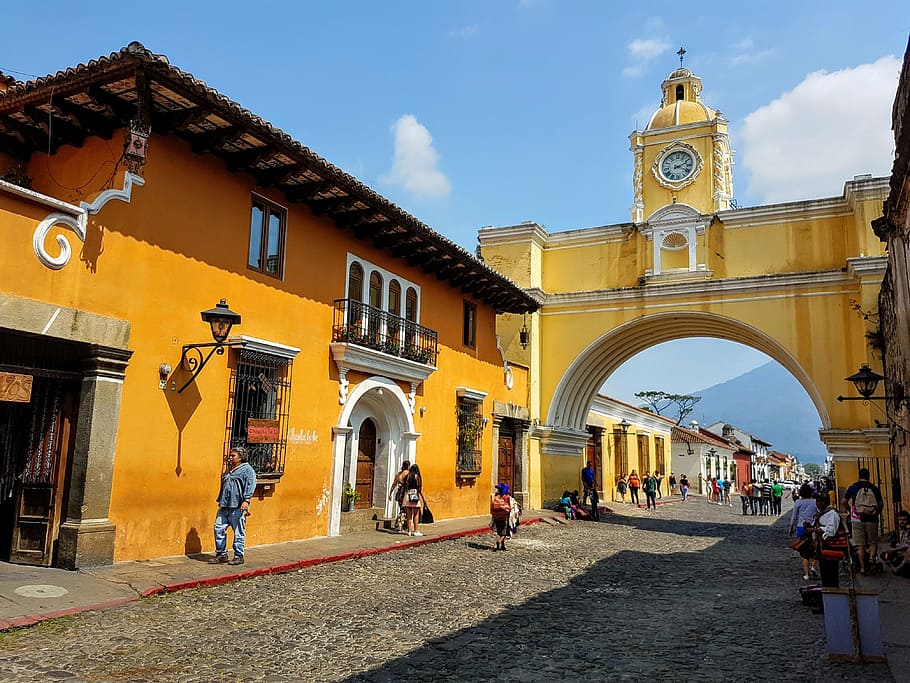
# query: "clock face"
677,165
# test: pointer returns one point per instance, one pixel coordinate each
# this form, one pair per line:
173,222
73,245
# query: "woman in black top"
413,499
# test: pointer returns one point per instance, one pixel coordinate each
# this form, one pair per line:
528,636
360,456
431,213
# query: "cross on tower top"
681,51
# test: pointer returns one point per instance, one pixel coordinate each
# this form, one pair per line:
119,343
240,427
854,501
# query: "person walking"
587,481
684,487
238,483
802,516
634,485
502,507
397,490
413,499
864,500
777,496
728,489
825,529
672,481
622,485
649,484
660,483
766,497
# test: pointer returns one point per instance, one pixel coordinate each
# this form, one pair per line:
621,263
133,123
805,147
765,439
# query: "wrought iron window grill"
364,325
260,389
470,431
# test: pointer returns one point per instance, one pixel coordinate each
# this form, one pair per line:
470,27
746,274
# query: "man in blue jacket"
237,487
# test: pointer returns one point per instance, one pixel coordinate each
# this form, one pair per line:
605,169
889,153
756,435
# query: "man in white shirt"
826,526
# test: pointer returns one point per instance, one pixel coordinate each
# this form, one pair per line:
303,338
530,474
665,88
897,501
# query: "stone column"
86,536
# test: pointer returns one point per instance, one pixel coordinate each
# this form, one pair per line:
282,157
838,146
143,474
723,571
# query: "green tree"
813,470
661,401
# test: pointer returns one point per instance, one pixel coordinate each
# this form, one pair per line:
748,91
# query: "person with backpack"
649,484
864,500
684,487
500,509
587,482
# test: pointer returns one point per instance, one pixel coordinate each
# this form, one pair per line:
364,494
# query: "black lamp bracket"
864,399
192,359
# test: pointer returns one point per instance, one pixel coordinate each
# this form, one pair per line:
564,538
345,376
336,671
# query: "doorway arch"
380,402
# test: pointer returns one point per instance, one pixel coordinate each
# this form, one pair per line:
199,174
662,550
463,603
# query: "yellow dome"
680,113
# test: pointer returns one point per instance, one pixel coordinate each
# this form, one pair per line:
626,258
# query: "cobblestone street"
689,591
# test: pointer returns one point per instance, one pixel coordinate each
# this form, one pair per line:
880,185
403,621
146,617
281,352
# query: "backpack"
865,501
500,507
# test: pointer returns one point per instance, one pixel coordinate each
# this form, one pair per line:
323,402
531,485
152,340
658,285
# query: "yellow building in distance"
786,279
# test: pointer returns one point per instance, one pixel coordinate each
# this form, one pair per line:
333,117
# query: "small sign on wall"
15,388
262,431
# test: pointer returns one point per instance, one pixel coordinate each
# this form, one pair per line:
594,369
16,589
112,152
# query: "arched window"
410,305
355,282
680,92
394,326
375,290
395,297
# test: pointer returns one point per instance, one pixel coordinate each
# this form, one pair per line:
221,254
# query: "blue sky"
478,112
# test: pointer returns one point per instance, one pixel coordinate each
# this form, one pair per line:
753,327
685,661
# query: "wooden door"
366,462
39,448
506,470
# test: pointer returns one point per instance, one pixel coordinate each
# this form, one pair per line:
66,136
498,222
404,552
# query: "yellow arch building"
787,279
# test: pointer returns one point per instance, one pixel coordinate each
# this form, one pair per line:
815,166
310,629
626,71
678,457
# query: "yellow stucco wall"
178,247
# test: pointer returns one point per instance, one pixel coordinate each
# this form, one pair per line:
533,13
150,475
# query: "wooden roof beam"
123,111
278,175
244,159
59,128
34,137
210,141
324,206
306,191
93,122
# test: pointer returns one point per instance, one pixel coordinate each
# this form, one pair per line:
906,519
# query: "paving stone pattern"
687,592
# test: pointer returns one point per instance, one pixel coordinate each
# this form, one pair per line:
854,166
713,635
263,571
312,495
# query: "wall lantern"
221,319
524,334
866,382
624,426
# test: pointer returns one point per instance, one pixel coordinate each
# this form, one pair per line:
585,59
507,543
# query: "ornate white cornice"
77,221
470,394
265,346
529,231
558,441
351,357
867,266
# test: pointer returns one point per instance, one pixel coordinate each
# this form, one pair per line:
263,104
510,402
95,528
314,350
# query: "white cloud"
752,57
642,51
465,32
415,166
832,126
647,48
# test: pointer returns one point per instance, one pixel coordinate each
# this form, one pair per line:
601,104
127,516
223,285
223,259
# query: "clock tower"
683,173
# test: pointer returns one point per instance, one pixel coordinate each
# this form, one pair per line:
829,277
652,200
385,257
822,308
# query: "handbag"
798,543
413,496
426,517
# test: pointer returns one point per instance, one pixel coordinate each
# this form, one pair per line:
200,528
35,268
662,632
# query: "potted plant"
350,497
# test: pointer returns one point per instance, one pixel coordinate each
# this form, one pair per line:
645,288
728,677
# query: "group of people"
717,490
407,489
823,538
761,498
650,484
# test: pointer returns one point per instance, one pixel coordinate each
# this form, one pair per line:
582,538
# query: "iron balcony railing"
363,325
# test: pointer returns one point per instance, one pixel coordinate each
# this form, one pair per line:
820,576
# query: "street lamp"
220,319
866,382
624,426
524,334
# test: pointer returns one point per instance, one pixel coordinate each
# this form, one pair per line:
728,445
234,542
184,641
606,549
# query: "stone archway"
587,373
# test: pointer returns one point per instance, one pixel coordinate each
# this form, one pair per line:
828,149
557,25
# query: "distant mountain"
769,403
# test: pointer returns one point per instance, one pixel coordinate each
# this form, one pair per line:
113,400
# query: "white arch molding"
582,380
383,401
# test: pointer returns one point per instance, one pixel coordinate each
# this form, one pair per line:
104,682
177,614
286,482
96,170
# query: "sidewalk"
29,595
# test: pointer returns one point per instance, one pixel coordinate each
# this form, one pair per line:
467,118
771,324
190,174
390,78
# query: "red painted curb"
221,579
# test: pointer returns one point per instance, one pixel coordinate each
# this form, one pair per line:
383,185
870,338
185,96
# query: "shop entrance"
36,440
40,380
